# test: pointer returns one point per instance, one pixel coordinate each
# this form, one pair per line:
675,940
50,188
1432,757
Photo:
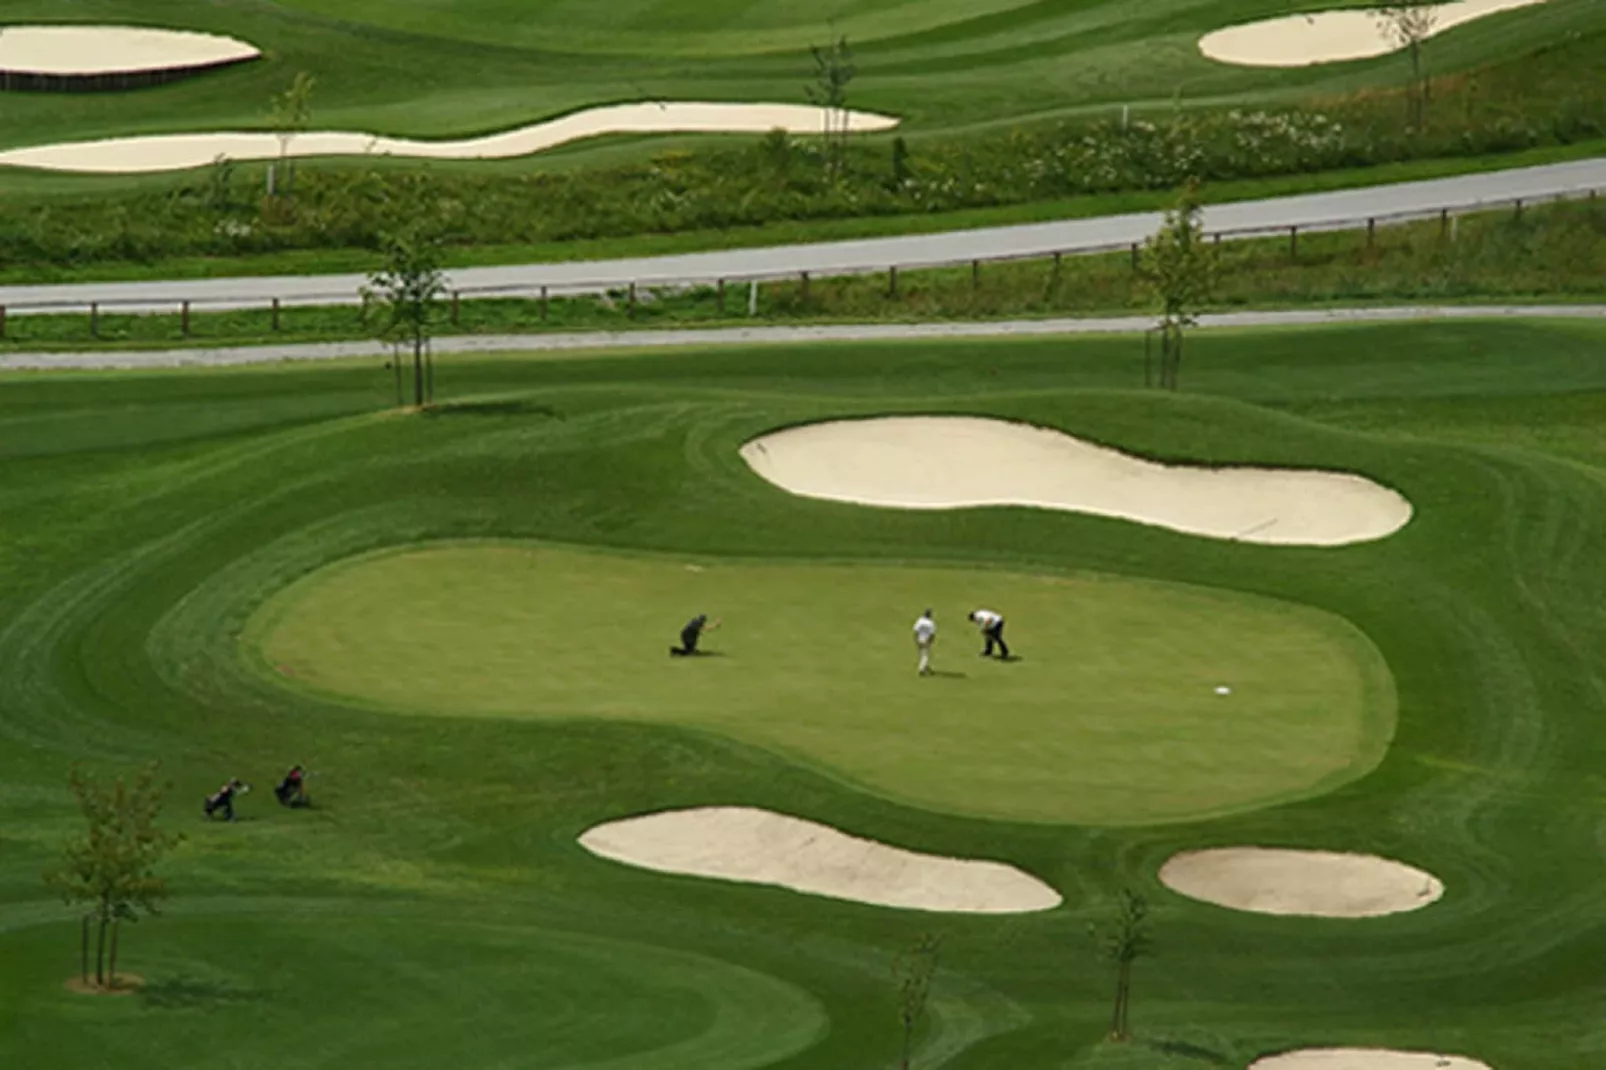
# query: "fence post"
752,297
721,289
632,309
276,313
1518,206
455,302
892,281
2,321
803,286
975,274
184,319
543,304
1056,277
1371,232
1293,242
94,320
1444,223
1134,256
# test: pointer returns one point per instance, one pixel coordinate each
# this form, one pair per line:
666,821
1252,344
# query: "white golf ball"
1223,690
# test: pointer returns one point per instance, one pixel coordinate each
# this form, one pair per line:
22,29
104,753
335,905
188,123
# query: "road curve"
727,336
1314,210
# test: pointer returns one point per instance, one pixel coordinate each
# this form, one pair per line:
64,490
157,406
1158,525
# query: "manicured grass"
433,906
1110,717
430,69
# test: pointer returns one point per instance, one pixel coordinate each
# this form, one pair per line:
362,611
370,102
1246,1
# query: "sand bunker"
170,152
946,462
1331,36
761,847
1317,884
1365,1059
81,51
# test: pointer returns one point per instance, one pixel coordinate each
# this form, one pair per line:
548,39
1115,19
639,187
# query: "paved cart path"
1459,193
852,332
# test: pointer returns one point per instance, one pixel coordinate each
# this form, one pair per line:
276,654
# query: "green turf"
434,906
433,69
1111,717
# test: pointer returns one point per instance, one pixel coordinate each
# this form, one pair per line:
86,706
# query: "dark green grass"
144,517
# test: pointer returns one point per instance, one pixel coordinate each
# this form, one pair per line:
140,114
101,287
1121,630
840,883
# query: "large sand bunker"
947,462
84,51
171,152
1365,1059
760,847
1332,36
1317,884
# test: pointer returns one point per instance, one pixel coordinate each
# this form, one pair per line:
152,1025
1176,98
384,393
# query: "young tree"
914,971
407,291
1407,24
833,70
1123,942
290,113
1179,267
111,868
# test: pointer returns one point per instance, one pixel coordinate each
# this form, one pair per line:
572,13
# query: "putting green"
1111,715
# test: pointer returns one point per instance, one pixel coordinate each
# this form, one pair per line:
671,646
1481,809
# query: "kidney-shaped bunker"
949,462
737,843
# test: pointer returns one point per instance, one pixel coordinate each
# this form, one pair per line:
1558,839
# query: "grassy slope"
142,514
937,62
1111,718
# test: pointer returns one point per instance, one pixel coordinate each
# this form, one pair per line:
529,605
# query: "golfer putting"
992,632
925,636
690,634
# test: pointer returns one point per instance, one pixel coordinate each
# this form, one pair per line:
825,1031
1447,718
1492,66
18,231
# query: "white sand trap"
736,843
69,51
1317,884
171,152
948,462
1331,36
1365,1059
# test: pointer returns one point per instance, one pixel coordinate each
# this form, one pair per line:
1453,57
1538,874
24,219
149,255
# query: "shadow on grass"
1188,1050
495,408
188,993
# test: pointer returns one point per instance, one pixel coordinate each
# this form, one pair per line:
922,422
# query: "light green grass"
1110,716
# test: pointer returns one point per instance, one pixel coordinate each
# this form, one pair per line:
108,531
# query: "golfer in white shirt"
925,635
992,630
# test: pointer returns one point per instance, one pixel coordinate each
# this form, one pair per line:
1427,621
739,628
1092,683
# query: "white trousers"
925,655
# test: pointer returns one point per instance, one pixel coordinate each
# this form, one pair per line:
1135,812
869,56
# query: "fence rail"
632,289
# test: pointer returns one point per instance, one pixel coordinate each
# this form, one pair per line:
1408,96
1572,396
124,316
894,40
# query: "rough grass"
433,904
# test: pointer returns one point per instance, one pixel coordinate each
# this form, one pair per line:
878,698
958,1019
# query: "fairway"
1111,715
472,607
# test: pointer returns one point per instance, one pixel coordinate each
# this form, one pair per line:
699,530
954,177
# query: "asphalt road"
848,332
1311,211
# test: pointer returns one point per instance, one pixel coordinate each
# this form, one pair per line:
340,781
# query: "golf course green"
457,620
1112,717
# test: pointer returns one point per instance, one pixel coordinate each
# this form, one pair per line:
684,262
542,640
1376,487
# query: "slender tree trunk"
908,1040
418,369
1124,1000
83,950
111,965
395,363
100,954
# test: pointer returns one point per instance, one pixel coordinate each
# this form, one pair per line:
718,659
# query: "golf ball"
1223,690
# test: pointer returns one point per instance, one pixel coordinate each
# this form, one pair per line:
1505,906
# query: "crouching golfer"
689,635
292,790
925,635
992,631
222,800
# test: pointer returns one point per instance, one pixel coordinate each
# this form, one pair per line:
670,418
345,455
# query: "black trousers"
688,642
226,805
994,633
